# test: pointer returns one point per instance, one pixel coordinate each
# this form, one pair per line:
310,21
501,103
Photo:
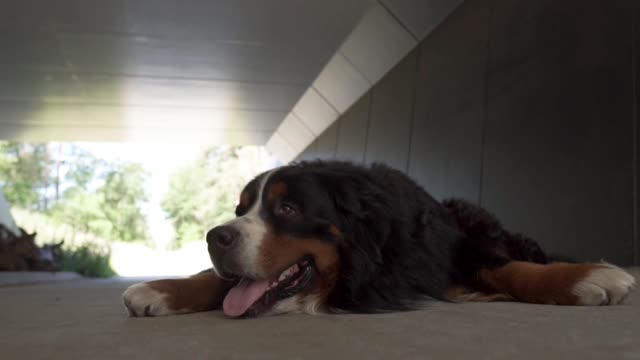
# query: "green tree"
69,184
83,211
81,167
203,194
123,195
25,174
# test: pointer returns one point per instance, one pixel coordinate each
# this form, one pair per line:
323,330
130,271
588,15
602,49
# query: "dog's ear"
350,194
31,238
347,202
363,223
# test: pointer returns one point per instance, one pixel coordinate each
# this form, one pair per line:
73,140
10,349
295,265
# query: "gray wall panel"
326,147
311,152
447,132
636,108
421,16
391,115
558,154
352,131
528,107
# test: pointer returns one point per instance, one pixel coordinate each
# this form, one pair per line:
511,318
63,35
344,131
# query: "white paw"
607,285
142,300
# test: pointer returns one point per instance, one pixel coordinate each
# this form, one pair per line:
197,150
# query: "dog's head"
334,235
284,247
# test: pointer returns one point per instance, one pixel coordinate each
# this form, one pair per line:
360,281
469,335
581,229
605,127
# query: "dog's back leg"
494,264
560,283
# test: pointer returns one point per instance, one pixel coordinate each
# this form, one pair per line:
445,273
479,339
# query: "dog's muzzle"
223,243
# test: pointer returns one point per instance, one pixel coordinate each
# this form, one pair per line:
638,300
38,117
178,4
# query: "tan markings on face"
277,252
333,230
252,230
244,199
326,282
277,190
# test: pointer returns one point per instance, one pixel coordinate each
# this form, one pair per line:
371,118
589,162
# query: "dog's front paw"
605,285
142,300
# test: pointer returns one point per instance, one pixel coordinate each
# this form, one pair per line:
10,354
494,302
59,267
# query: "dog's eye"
285,209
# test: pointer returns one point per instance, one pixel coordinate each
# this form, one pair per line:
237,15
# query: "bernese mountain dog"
338,237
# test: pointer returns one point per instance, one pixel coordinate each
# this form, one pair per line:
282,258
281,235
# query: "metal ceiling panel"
295,133
377,44
315,111
421,16
149,66
279,146
340,83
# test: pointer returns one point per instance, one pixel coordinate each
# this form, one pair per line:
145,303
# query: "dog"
331,236
20,252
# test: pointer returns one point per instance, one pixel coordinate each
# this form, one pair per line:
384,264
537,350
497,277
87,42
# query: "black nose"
222,236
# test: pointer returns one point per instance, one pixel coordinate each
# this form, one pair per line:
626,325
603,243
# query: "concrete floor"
85,319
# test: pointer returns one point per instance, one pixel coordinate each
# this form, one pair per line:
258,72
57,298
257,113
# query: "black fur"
399,246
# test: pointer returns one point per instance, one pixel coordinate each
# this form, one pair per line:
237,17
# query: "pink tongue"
242,296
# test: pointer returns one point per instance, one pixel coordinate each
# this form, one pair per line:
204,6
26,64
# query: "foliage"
81,252
71,186
83,211
122,195
87,260
24,174
203,194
